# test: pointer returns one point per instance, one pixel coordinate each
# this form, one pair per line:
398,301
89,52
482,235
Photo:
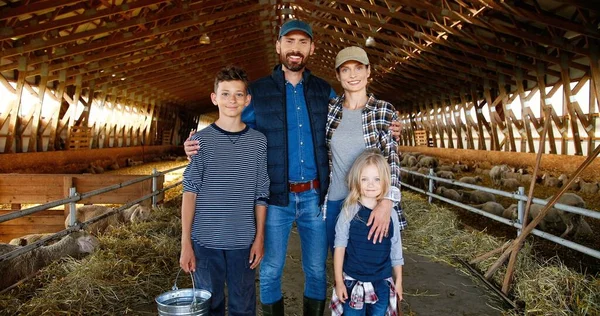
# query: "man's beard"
293,66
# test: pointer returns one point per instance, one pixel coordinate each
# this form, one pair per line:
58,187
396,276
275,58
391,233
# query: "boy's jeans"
304,209
214,267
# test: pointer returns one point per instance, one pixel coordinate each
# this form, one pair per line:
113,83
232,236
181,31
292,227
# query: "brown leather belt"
303,186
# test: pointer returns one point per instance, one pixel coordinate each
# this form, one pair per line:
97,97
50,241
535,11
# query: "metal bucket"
184,302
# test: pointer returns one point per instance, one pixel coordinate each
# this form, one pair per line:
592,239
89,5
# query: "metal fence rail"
77,197
520,198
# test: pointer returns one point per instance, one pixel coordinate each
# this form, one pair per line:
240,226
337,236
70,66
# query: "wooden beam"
572,107
31,8
41,43
493,119
15,110
525,114
60,92
35,140
28,28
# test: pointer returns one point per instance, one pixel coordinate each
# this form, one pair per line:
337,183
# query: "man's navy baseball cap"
295,25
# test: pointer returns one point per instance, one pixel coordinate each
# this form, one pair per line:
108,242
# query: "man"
290,108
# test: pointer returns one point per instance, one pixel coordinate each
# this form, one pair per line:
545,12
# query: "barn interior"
103,81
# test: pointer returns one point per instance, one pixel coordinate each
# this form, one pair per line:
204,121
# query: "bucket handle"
175,288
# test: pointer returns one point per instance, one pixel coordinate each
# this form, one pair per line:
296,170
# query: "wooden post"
15,110
569,100
493,119
54,122
67,184
511,146
524,114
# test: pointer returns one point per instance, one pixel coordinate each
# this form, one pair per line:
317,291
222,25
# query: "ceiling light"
204,39
370,42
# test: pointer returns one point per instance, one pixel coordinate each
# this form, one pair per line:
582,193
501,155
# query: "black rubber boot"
313,307
275,309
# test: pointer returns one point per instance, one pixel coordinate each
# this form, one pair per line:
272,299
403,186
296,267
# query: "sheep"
497,173
477,197
445,174
526,178
470,180
563,178
511,184
28,239
492,208
550,181
552,220
429,162
114,166
576,185
482,171
424,181
589,188
75,245
570,199
557,219
512,175
583,230
461,167
448,193
130,162
136,213
449,168
96,168
412,161
408,160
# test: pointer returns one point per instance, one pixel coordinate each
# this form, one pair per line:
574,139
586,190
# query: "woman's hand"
380,220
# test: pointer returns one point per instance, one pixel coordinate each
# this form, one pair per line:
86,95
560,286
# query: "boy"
224,204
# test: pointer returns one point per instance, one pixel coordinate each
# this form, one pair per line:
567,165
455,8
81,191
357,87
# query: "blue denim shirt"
301,153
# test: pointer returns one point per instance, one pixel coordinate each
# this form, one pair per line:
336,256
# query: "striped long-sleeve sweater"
229,177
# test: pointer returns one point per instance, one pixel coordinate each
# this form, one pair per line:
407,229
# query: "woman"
357,121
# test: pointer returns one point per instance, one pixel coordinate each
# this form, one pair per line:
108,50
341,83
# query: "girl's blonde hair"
366,158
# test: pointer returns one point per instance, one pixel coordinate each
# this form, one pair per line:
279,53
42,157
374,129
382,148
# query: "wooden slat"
16,188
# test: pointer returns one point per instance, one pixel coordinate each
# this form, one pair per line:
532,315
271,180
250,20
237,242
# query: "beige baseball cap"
351,53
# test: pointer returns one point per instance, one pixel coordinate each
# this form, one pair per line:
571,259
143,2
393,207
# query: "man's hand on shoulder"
191,147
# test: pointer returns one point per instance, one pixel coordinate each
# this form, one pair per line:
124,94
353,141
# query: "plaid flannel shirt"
363,293
377,117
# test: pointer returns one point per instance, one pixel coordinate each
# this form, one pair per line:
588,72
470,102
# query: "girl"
363,268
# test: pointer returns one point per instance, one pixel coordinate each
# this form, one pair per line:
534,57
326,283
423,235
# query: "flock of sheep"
76,245
505,178
96,167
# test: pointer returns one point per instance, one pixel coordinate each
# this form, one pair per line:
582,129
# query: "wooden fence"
18,189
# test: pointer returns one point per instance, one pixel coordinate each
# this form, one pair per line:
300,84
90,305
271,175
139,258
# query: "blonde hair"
369,157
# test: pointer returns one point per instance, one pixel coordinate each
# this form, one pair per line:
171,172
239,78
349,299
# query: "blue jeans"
333,212
382,290
305,211
214,267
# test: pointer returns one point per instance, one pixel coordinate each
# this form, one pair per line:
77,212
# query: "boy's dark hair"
230,73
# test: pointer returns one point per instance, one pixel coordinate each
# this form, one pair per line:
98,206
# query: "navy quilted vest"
268,98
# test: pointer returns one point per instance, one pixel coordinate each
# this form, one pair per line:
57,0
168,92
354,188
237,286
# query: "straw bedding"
545,288
138,262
